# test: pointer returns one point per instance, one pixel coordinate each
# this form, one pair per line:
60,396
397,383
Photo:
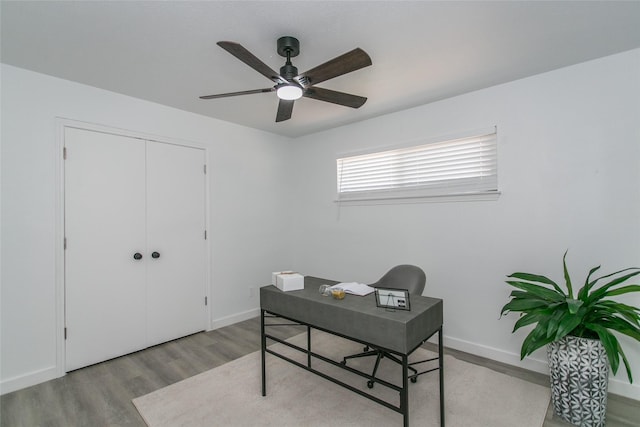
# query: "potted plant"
578,329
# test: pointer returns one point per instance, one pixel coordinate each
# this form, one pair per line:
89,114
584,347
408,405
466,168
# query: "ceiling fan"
289,85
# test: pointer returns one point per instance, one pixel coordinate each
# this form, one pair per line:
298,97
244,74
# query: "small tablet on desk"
397,299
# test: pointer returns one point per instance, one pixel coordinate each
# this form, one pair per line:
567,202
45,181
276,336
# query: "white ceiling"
422,51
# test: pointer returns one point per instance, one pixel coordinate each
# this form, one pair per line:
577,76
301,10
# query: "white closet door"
176,279
105,295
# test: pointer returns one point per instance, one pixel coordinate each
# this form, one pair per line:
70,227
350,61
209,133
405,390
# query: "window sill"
448,198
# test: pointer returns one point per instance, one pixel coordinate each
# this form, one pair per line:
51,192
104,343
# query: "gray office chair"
407,277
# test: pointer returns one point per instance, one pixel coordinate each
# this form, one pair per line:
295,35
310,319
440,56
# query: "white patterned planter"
579,371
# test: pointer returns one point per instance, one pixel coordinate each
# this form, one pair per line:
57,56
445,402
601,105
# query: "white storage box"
274,276
290,281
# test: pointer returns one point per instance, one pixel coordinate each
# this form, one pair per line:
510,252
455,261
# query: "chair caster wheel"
414,379
365,349
344,362
370,384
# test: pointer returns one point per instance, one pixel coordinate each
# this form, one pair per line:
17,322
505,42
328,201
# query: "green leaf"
519,294
632,314
626,364
616,273
620,325
584,292
553,323
600,293
535,340
610,344
526,295
532,341
523,304
618,349
568,323
624,290
567,279
538,316
538,290
574,305
537,278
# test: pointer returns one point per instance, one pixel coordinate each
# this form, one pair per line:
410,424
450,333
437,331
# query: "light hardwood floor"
100,395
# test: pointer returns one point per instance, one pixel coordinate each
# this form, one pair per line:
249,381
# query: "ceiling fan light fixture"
289,85
289,92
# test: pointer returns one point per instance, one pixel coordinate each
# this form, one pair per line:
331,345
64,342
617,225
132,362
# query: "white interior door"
105,295
176,279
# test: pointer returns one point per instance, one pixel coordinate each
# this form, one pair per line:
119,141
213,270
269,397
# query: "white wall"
569,168
569,172
247,185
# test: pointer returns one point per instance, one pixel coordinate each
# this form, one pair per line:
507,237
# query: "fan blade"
343,64
251,60
340,98
285,108
244,92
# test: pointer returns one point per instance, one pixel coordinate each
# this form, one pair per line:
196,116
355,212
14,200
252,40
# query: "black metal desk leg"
404,393
441,373
263,346
308,346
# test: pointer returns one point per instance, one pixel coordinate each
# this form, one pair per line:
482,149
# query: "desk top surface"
357,317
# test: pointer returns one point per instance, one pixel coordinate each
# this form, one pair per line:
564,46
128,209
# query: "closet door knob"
137,256
155,255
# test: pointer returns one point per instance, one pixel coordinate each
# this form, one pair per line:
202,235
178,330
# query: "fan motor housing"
288,71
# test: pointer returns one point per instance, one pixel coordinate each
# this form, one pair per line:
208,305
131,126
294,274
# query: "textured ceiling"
422,51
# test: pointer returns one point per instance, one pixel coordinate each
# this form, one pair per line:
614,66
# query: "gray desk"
356,318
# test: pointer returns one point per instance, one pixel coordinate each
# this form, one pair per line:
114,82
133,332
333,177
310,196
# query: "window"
455,168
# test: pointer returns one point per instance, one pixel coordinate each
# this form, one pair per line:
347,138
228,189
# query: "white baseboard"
536,364
235,318
616,386
29,379
530,363
632,391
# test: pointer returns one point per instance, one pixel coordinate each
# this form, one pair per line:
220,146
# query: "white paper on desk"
355,288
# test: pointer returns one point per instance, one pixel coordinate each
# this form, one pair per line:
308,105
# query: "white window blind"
461,166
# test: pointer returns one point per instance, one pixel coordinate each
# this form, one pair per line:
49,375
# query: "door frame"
61,124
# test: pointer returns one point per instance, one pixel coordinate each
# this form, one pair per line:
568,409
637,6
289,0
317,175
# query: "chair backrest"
407,277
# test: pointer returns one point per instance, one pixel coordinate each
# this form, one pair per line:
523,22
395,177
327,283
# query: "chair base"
379,355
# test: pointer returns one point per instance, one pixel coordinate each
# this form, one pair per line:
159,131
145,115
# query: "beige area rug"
230,395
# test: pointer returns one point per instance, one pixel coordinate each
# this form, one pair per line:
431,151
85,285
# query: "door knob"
155,255
137,256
